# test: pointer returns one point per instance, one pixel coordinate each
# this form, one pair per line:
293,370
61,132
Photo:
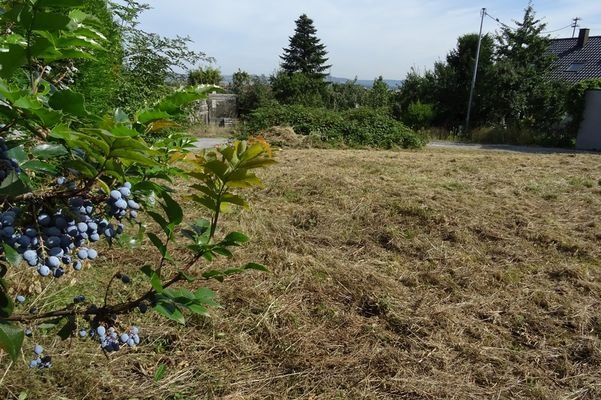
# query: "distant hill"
392,83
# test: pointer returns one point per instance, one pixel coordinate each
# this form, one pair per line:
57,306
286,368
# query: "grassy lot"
436,274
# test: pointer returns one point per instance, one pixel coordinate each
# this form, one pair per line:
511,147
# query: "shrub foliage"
70,178
356,127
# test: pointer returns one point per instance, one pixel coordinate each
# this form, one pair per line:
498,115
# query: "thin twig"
5,373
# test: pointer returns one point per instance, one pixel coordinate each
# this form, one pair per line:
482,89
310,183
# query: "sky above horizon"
363,38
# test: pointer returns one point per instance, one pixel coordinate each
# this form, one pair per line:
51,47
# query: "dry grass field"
434,274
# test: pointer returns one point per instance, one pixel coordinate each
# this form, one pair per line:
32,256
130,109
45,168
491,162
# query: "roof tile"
568,54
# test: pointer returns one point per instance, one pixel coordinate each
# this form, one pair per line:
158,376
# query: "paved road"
207,143
505,147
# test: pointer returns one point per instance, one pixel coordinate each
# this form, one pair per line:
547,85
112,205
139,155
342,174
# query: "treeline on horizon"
515,100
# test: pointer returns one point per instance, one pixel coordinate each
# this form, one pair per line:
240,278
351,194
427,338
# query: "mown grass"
437,274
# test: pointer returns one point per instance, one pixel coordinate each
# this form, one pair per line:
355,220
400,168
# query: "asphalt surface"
207,143
505,147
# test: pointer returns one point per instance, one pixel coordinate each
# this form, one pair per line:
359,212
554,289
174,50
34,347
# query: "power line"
497,20
574,24
560,29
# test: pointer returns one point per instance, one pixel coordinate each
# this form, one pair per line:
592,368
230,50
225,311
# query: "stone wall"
219,109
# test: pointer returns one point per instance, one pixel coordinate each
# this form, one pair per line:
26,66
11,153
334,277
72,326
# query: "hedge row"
357,127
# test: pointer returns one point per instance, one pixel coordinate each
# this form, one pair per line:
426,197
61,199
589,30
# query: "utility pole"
575,25
469,104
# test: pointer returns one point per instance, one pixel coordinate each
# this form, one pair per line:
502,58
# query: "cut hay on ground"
284,136
437,274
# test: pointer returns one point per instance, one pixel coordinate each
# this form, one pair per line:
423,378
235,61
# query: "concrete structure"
219,109
589,134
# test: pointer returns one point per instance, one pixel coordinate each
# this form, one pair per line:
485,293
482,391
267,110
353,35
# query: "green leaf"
11,340
164,225
7,305
234,199
160,372
67,329
158,243
40,166
14,38
169,310
235,238
201,226
81,167
256,267
155,279
14,185
61,3
12,256
28,103
69,102
50,21
206,296
217,275
172,209
173,103
243,179
48,325
47,151
198,309
205,201
12,57
147,116
219,168
135,156
222,251
179,295
189,278
124,131
121,117
232,271
258,163
18,153
252,152
78,41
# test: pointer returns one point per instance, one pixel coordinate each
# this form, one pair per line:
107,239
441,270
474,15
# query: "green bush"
418,115
357,127
522,136
298,88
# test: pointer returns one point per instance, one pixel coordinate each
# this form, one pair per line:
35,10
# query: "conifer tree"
305,54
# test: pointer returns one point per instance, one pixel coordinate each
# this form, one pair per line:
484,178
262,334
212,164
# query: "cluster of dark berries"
120,203
110,340
40,361
7,164
64,238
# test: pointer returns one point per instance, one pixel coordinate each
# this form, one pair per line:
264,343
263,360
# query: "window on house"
575,66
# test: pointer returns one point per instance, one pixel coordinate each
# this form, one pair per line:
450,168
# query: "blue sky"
364,38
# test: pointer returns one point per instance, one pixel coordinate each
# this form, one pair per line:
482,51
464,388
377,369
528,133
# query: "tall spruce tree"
305,54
